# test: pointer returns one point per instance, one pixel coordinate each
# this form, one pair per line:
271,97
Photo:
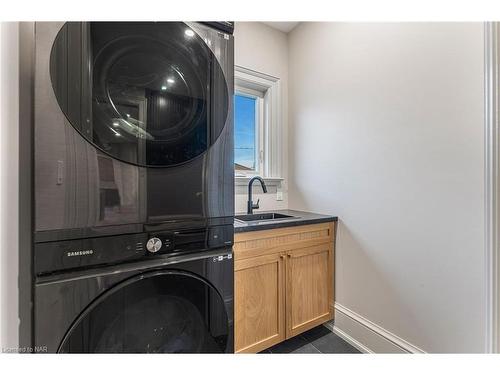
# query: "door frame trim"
492,184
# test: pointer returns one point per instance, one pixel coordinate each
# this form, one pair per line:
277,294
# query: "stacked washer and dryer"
133,187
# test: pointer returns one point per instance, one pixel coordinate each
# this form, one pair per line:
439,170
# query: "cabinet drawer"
271,241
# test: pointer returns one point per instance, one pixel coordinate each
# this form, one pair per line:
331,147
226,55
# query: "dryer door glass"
158,312
147,93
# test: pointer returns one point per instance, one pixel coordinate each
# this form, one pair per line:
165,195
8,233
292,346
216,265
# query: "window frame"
270,133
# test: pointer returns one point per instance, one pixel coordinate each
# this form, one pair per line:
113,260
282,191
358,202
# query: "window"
257,126
247,128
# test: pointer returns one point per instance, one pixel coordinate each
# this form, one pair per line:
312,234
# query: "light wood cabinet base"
283,283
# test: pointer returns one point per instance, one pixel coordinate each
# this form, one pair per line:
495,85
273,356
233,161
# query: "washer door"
156,312
147,93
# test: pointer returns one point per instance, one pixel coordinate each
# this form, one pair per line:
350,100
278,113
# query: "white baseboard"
367,336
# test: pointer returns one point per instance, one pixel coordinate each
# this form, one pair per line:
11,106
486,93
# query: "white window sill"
270,181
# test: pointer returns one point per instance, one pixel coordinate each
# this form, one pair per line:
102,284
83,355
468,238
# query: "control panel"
189,240
72,254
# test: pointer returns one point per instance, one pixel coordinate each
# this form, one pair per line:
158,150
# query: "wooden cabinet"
309,288
259,302
283,283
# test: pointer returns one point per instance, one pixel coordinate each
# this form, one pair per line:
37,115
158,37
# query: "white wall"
386,131
9,111
264,49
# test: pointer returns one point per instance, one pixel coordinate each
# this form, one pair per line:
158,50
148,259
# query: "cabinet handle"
282,256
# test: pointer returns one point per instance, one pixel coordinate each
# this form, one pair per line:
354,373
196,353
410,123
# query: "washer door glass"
156,312
147,93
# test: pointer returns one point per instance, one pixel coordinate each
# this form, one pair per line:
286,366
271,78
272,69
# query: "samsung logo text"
79,253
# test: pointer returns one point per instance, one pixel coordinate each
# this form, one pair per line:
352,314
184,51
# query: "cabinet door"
259,303
309,288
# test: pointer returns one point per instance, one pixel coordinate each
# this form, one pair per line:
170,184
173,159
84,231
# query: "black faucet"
250,204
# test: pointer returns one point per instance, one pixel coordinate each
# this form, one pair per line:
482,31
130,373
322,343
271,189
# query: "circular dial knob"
153,244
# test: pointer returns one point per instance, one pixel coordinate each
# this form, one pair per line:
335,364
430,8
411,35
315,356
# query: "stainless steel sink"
263,217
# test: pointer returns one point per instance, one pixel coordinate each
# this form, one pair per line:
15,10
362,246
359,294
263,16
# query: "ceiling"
282,26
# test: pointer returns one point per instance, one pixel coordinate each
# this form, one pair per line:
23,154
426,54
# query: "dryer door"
156,312
147,93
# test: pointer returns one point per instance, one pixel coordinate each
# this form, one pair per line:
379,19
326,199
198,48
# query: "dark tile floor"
317,340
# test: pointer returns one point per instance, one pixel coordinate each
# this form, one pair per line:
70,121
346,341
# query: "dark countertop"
300,218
